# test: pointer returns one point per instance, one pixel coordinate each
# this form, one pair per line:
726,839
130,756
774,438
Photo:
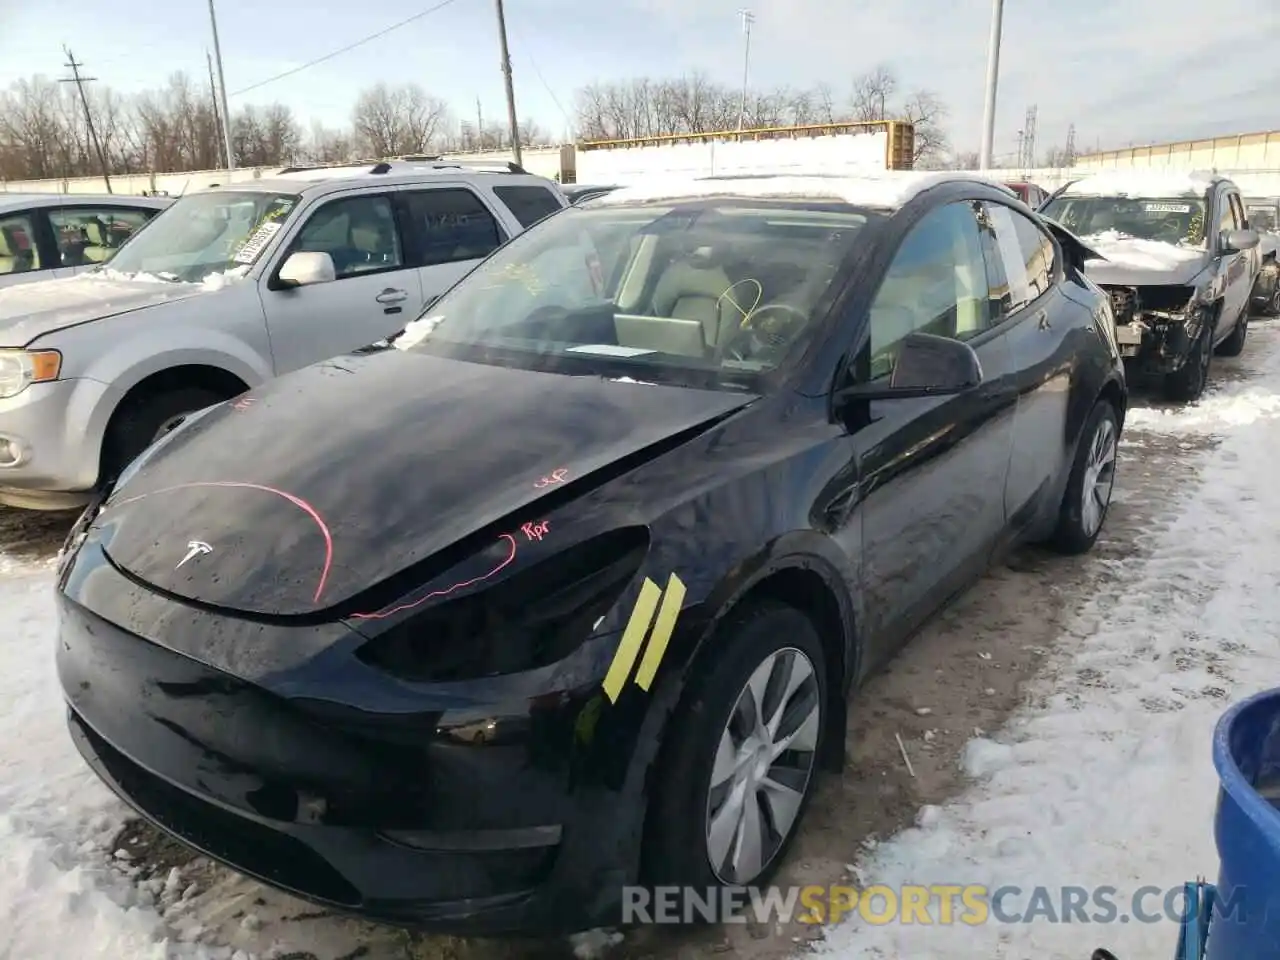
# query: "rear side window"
528,204
452,224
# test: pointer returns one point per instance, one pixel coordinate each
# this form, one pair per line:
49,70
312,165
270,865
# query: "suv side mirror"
304,269
926,366
1237,241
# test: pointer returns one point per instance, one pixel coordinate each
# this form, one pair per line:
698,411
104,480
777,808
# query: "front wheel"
1089,488
740,754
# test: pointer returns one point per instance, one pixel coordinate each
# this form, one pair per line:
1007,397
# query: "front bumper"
49,424
432,815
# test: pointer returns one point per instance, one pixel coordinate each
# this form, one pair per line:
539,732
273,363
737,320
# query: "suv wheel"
1187,383
1090,485
741,753
145,420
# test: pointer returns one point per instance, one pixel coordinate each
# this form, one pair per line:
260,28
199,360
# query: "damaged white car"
1180,267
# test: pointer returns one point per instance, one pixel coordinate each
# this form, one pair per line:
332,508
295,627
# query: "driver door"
932,470
376,290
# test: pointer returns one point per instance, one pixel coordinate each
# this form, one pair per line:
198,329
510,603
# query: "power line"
342,50
80,81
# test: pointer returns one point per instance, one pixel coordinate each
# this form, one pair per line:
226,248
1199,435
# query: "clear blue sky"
1120,70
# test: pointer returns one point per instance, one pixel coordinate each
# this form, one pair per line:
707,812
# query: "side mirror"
926,366
1237,241
304,269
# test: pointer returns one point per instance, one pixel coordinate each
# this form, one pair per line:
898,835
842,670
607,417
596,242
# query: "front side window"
1176,220
358,233
708,292
452,225
528,204
87,235
205,234
936,283
18,252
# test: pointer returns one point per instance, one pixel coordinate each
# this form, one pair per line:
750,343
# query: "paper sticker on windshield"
1167,207
253,246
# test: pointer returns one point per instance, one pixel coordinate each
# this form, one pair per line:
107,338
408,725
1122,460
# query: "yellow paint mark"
632,638
662,630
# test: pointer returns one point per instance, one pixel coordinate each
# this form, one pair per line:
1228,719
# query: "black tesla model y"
566,587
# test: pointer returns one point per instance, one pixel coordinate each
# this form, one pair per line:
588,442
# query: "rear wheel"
1089,488
143,421
740,754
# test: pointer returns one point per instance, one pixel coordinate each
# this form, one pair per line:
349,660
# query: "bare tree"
394,121
873,94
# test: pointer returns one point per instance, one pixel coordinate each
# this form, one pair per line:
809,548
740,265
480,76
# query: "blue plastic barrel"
1245,922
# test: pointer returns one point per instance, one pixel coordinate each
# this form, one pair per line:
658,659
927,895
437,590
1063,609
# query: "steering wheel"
757,330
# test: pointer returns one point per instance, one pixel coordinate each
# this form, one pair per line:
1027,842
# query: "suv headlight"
20,368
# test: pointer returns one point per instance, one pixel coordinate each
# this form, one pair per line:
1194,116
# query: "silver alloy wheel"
762,766
1099,476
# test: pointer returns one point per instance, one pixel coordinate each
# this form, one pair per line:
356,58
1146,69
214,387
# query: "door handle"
392,295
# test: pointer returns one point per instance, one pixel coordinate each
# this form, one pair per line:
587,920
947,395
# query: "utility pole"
222,90
993,74
748,18
80,81
213,95
511,90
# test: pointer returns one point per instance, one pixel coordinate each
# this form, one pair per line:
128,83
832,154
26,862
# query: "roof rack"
390,165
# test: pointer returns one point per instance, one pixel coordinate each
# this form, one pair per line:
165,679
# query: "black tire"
1233,346
679,814
1187,383
1074,533
139,423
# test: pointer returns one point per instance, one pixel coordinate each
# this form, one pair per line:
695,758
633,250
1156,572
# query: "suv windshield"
205,234
1178,220
706,293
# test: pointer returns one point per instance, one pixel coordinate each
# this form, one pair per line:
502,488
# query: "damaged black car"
1181,262
565,590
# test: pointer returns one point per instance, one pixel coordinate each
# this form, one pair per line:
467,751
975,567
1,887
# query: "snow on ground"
1107,779
60,892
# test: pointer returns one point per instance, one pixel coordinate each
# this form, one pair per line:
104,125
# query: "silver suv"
224,289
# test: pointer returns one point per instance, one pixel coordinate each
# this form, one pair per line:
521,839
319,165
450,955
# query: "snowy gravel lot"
1051,716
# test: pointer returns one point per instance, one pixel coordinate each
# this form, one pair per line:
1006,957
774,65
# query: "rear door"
451,228
932,470
375,293
1034,313
88,235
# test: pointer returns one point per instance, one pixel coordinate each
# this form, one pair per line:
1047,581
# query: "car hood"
31,310
1135,263
324,483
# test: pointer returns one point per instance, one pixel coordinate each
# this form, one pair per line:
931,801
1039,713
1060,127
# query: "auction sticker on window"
1167,208
253,246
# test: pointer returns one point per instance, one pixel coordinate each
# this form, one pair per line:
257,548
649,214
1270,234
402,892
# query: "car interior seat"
691,288
14,258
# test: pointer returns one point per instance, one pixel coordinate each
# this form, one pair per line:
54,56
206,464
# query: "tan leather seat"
691,289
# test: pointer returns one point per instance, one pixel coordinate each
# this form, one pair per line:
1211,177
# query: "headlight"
535,617
20,368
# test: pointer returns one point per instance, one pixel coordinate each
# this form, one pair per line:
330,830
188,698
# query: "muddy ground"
965,673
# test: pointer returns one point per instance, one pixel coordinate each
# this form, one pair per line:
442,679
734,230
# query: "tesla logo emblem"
194,549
